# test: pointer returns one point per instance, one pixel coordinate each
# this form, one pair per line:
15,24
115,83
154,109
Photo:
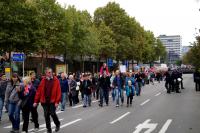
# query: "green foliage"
43,26
193,56
18,26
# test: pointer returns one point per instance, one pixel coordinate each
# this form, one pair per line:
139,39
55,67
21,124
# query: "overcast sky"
169,17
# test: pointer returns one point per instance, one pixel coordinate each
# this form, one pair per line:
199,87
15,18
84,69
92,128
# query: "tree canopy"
45,27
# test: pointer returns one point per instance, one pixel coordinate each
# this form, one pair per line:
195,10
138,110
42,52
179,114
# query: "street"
154,111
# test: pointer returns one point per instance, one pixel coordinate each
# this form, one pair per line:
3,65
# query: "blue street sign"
18,57
110,62
125,63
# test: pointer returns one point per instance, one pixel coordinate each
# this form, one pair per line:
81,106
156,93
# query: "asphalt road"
154,111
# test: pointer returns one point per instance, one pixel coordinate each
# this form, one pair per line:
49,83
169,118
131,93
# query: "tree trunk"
42,62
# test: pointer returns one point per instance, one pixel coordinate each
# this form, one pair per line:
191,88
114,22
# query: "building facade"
173,46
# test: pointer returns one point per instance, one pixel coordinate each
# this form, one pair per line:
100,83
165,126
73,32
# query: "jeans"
113,94
1,106
50,110
26,110
104,94
119,93
87,100
63,100
14,115
138,88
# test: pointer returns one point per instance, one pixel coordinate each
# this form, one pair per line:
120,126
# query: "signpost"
110,62
7,73
19,57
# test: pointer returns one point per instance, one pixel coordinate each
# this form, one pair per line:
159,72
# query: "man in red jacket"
49,95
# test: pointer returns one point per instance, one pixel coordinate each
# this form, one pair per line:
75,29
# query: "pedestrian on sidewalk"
28,94
3,85
49,95
13,99
64,90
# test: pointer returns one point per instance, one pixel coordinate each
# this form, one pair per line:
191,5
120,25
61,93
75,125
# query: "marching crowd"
53,91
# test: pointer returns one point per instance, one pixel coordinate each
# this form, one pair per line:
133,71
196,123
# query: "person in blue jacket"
130,89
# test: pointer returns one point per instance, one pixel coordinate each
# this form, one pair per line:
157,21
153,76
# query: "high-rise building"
173,46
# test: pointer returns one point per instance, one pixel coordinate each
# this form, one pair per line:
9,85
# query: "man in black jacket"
3,85
86,88
104,84
197,80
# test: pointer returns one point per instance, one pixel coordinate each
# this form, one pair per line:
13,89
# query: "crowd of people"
55,91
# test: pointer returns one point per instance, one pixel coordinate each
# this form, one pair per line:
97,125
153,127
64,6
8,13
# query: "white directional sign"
150,127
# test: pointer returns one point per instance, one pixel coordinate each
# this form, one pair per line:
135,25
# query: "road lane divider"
166,126
67,124
43,126
145,102
119,118
158,94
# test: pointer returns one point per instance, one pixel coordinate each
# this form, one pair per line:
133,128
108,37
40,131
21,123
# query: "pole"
23,68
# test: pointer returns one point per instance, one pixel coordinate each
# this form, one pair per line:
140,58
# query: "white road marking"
81,105
145,102
158,94
43,126
95,101
114,121
146,125
77,106
10,126
165,126
67,124
58,112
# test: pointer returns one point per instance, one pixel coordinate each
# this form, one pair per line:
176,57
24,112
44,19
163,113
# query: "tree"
193,56
18,26
107,45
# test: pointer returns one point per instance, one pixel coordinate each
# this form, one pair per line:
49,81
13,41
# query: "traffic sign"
18,57
7,69
110,62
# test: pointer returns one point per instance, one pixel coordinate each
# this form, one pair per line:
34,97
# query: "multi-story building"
173,46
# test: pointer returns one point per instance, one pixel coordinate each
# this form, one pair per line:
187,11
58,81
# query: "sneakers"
36,129
117,105
49,131
57,128
14,131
